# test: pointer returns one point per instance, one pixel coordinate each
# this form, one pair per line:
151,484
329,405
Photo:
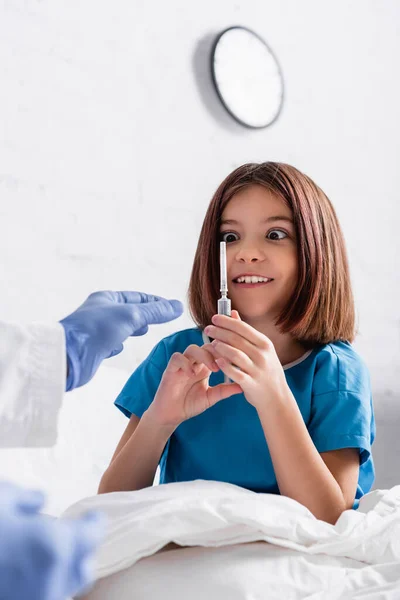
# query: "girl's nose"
249,254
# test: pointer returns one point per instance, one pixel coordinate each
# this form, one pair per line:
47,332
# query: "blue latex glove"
43,558
98,328
16,500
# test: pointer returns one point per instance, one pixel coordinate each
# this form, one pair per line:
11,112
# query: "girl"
297,417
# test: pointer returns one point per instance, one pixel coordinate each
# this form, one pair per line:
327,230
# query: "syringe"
224,304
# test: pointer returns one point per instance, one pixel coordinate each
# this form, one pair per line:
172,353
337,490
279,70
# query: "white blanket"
212,514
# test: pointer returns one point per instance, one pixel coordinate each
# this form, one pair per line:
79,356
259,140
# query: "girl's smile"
251,280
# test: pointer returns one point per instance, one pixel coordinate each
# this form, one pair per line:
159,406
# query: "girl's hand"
248,358
184,391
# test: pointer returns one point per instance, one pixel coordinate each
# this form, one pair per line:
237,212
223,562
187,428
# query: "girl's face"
261,252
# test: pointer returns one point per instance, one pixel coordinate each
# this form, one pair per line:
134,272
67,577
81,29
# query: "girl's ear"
235,315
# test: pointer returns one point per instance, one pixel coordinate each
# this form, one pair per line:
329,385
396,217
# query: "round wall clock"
247,77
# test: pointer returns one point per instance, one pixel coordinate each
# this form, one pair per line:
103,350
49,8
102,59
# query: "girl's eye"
229,236
276,234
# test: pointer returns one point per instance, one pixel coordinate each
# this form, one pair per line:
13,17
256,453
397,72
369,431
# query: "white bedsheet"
359,557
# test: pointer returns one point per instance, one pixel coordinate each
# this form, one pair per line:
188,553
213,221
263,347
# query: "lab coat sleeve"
32,383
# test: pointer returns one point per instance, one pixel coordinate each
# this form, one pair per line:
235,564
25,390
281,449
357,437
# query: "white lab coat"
32,383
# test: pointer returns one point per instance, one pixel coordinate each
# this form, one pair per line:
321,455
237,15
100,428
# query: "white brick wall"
112,143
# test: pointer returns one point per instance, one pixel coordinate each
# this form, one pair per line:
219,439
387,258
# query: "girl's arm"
325,483
182,394
138,453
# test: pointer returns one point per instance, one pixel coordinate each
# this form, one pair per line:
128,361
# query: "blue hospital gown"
227,443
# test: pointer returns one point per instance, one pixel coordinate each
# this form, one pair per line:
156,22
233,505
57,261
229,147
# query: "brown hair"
321,309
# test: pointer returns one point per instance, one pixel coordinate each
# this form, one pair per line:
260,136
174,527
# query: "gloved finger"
116,351
93,533
127,297
20,500
109,297
177,307
73,543
96,298
90,532
137,297
102,298
141,331
156,312
69,547
32,502
85,575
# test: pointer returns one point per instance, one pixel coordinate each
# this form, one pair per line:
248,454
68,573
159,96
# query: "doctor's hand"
98,328
184,390
18,501
43,558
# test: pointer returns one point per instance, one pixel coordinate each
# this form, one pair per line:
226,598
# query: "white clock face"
247,77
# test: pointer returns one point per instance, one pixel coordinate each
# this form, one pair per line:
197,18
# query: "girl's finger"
235,374
235,315
234,356
243,329
233,339
178,361
201,370
201,356
222,391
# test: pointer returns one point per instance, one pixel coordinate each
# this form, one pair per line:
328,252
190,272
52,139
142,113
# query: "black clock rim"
214,79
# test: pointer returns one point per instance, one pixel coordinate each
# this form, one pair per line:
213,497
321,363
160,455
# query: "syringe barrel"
224,306
222,263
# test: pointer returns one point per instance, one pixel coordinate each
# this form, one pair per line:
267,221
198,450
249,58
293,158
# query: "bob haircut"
321,309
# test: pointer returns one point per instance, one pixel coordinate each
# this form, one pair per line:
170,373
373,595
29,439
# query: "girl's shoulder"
338,367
